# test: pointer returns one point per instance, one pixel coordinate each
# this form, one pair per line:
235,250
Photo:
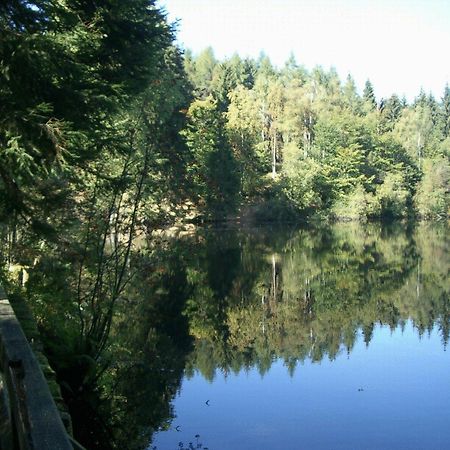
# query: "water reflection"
268,301
307,295
392,395
222,303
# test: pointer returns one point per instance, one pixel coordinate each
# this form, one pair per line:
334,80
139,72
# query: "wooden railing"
29,419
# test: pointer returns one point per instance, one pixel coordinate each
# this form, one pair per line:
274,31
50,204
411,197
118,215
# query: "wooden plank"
38,422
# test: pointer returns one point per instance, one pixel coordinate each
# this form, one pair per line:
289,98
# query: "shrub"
432,200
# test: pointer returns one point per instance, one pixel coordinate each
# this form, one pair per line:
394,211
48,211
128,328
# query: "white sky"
401,45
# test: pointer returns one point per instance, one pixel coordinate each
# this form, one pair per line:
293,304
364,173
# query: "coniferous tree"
264,66
213,169
391,112
201,72
351,97
434,110
292,71
421,99
446,111
369,96
58,108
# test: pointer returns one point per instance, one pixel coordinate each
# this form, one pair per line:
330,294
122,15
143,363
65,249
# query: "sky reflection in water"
320,339
392,394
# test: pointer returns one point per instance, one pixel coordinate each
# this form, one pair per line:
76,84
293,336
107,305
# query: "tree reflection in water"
231,300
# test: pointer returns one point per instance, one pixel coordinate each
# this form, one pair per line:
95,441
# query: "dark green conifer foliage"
369,96
421,99
392,108
213,169
434,110
201,71
446,111
224,80
66,70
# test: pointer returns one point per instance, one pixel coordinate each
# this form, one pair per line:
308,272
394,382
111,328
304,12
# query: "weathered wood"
35,420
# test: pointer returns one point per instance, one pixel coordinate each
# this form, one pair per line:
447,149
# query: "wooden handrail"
28,406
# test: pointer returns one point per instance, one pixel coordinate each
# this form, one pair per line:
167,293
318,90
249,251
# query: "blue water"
393,394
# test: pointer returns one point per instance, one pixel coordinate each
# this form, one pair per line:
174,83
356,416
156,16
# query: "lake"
331,338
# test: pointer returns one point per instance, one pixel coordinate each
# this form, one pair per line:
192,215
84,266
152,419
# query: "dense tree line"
304,142
94,97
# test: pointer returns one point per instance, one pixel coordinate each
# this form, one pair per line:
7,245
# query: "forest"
110,133
96,100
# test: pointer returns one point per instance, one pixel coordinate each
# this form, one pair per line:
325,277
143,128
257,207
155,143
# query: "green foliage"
346,142
433,195
200,71
446,111
227,76
390,112
352,101
369,96
346,168
392,197
415,132
353,206
243,131
64,75
213,167
305,185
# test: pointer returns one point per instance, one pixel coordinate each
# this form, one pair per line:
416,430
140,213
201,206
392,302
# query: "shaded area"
29,416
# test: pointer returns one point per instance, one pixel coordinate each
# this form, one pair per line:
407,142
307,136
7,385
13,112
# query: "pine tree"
293,72
446,111
201,72
265,67
66,70
421,99
369,96
351,98
213,169
434,109
393,109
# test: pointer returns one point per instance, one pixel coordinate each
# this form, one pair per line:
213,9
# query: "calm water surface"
266,338
404,402
315,339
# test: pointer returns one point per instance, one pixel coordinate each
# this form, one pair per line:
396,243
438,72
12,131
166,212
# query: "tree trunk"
274,155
